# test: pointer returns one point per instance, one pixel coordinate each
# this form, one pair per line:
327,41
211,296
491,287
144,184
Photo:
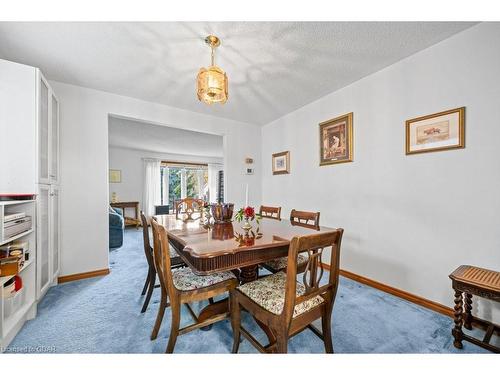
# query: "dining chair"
182,286
287,306
150,283
300,218
270,212
305,219
190,208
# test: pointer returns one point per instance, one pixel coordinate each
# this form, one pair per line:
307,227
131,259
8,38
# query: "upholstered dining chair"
182,286
189,209
304,219
270,212
286,306
150,283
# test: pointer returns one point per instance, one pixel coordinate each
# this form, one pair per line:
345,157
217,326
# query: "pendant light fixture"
212,81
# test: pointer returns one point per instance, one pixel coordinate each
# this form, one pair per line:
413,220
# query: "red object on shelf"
18,283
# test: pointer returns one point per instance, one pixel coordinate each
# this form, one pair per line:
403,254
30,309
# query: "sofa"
116,225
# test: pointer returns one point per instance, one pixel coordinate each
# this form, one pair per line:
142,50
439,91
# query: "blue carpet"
102,315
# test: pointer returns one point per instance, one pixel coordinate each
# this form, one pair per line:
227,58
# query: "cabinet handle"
51,194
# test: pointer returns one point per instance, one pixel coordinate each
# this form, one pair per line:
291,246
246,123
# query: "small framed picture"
115,176
281,162
336,140
436,132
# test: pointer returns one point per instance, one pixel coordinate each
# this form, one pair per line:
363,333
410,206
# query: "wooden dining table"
226,247
208,249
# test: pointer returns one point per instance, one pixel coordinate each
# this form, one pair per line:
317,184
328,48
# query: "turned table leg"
250,273
457,330
468,311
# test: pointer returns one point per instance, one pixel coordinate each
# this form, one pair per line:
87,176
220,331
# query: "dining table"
211,248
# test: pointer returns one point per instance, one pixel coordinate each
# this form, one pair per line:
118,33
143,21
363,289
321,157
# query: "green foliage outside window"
192,188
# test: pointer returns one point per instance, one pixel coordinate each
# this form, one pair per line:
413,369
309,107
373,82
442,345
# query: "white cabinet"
55,234
54,139
29,164
43,131
16,308
29,157
43,240
48,237
48,133
29,124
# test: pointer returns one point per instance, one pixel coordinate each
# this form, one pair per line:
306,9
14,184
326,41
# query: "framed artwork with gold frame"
437,132
281,162
336,140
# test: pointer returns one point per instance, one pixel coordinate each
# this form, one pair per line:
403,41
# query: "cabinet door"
55,233
43,132
43,240
54,139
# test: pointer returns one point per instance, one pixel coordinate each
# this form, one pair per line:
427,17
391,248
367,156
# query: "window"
183,180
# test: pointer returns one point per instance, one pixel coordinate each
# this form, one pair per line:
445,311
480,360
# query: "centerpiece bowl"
222,212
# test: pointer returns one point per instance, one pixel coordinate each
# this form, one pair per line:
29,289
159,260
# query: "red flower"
249,212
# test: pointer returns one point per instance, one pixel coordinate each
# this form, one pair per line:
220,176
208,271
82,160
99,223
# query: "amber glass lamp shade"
212,85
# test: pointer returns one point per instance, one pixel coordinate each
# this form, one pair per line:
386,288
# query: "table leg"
457,330
249,273
468,311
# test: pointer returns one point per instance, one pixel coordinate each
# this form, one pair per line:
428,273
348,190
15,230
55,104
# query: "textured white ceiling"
273,67
162,139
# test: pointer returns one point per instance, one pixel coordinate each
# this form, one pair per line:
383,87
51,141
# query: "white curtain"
213,172
151,195
166,186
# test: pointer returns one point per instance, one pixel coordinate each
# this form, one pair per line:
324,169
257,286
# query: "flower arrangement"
247,214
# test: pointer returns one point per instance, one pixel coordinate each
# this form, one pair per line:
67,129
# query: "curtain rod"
181,164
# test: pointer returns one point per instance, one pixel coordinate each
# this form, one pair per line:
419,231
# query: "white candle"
246,197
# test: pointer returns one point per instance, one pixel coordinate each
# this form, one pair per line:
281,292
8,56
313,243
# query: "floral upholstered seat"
185,279
279,264
269,292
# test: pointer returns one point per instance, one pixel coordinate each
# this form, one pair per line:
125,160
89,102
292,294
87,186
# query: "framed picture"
336,140
281,162
115,175
436,132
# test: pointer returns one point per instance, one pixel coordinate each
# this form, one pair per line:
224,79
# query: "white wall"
409,220
130,163
84,164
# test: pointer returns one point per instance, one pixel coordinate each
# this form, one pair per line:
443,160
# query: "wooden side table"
468,281
129,220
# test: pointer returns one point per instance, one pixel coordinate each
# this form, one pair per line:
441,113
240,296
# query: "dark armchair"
116,225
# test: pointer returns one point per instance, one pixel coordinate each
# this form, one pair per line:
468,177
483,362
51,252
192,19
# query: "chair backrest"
189,207
148,249
305,219
270,212
161,251
314,245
